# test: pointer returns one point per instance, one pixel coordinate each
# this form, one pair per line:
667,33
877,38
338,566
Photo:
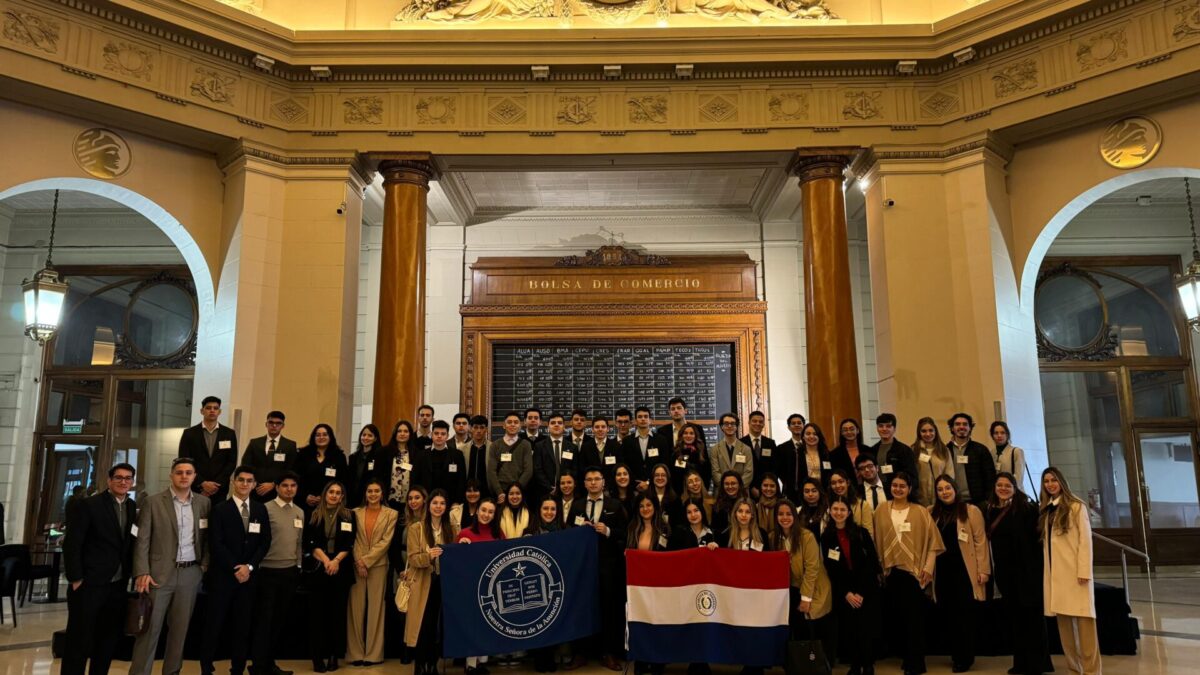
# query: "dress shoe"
318,665
576,663
960,667
482,669
333,663
280,671
610,662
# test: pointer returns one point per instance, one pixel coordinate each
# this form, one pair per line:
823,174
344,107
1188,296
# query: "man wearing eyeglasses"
270,456
102,526
730,453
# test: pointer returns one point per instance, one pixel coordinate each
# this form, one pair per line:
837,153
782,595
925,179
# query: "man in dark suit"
475,454
604,514
270,456
424,427
442,467
791,462
763,449
579,443
561,457
604,452
460,427
240,536
542,482
974,468
643,448
213,447
103,527
669,433
893,456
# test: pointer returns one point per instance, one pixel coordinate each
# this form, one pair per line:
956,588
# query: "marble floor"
1168,607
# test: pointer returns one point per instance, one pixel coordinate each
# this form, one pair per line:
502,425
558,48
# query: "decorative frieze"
31,30
1016,77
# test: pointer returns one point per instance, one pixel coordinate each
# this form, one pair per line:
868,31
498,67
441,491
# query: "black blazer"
839,458
231,544
901,458
666,434
545,470
613,516
1016,553
980,470
787,458
361,467
95,546
683,539
313,476
217,468
343,541
631,451
478,471
267,469
724,539
763,463
450,475
578,506
592,457
863,579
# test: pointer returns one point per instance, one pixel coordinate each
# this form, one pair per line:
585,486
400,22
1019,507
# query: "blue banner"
500,597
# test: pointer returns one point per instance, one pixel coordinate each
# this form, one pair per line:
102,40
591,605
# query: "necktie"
757,447
875,496
121,518
557,451
592,510
245,516
272,446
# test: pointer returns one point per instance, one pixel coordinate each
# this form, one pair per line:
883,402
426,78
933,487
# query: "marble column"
833,388
400,340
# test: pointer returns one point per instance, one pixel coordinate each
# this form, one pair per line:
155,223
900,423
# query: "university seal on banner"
521,592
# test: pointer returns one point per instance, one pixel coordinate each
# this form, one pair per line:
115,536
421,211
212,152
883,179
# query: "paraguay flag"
699,605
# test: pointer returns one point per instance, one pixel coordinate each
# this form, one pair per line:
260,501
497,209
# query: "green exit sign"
72,426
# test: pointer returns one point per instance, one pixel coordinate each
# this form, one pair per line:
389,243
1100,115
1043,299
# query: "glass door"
69,473
1172,506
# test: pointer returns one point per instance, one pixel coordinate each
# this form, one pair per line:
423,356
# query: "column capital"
415,168
812,164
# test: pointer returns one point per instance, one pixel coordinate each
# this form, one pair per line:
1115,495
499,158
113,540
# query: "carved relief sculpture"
939,103
363,110
1101,49
862,104
1016,77
718,109
613,12
128,59
577,110
788,107
647,109
288,110
1187,21
213,85
102,153
31,30
507,111
435,110
612,255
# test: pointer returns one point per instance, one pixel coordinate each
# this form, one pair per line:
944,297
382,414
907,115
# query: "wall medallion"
718,108
577,110
1102,49
1130,142
938,103
862,104
788,107
31,30
128,59
435,110
289,110
507,110
102,153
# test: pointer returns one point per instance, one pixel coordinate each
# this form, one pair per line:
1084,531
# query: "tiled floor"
1168,608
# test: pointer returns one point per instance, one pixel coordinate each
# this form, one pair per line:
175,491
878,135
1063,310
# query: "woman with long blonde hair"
933,460
1067,577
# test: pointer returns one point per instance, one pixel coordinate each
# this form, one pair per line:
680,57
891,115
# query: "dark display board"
600,378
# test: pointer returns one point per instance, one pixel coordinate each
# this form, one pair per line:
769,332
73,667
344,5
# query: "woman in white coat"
1067,579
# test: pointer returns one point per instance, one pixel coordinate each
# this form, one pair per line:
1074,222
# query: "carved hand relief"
435,110
128,59
213,85
577,110
31,30
289,110
1187,21
507,110
788,107
613,12
363,110
650,109
1101,49
862,104
1016,77
718,108
102,153
938,103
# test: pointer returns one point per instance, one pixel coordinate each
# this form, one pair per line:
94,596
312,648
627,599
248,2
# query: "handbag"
403,591
138,608
805,657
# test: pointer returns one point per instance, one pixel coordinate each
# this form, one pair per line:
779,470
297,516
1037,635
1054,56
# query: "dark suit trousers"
612,608
271,604
230,611
95,618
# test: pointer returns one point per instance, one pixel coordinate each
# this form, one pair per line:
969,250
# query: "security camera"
341,209
886,202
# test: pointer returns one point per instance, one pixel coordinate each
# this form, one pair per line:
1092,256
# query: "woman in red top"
485,528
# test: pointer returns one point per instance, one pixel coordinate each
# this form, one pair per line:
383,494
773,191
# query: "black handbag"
138,608
806,657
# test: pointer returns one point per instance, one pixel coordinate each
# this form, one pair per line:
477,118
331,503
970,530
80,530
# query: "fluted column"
400,340
828,304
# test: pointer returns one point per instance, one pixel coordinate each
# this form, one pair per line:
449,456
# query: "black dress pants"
429,638
860,626
327,599
95,619
272,604
230,611
1031,655
906,602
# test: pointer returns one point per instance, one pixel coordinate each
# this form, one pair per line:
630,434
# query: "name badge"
925,457
298,524
203,524
610,460
662,540
224,445
652,452
766,452
962,535
255,528
371,465
347,527
453,468
739,459
886,468
834,554
904,527
331,472
133,530
580,520
567,454
506,457
406,466
279,457
962,459
681,464
755,546
827,466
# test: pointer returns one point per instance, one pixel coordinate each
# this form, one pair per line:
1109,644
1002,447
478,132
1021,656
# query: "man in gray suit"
168,562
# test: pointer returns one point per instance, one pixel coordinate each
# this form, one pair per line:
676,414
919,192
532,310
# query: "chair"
33,572
8,586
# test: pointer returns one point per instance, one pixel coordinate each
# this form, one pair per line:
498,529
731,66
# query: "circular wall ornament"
102,153
1130,142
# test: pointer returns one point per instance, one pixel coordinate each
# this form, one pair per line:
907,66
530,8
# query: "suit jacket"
158,536
578,460
576,509
269,466
545,466
450,476
612,547
657,452
92,527
478,471
519,469
788,459
764,460
233,544
362,467
856,570
314,475
980,470
373,549
219,466
722,462
607,461
666,434
900,457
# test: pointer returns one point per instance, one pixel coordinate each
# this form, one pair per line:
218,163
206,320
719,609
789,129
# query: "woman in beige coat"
425,539
960,579
374,525
908,544
1067,576
933,458
811,593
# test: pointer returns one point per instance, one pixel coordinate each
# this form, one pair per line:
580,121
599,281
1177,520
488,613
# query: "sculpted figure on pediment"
447,11
752,11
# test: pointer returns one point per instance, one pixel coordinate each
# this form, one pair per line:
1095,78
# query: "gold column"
400,340
828,303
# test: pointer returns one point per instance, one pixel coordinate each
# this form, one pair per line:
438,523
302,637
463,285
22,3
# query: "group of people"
870,531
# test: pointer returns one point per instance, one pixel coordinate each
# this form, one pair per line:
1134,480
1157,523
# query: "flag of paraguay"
707,606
